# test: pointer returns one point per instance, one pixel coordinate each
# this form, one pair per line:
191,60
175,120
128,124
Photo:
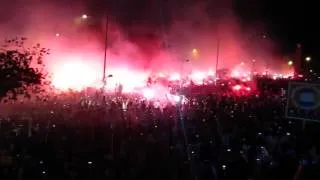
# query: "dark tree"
21,69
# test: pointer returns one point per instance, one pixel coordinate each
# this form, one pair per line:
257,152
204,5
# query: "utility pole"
297,63
217,59
104,80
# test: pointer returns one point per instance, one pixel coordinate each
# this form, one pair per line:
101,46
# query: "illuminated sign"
303,101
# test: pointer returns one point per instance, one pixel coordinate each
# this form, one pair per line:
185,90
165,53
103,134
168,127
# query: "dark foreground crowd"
208,138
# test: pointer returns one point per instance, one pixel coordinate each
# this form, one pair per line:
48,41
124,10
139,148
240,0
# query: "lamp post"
104,80
307,66
217,60
106,24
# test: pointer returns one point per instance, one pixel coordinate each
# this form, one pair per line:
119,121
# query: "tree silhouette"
21,69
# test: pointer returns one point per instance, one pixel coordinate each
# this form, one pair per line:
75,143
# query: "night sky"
286,22
290,22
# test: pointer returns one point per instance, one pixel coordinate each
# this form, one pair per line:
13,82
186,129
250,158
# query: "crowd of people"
212,137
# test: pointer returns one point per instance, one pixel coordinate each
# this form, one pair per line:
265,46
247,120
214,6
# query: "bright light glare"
308,58
128,78
195,51
236,87
177,98
235,74
148,93
211,72
161,75
74,75
198,77
175,77
84,16
290,63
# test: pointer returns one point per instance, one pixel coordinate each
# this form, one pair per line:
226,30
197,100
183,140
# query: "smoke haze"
142,35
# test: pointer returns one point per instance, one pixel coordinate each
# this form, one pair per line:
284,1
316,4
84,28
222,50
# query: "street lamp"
308,58
104,80
217,61
195,51
264,36
106,19
84,16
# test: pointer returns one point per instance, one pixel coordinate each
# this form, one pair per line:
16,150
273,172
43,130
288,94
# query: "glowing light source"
57,34
195,54
177,98
78,71
148,93
308,58
290,63
161,75
195,51
275,77
211,72
236,87
198,76
84,16
288,134
235,74
174,77
73,75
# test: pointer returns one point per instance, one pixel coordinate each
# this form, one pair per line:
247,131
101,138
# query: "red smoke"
77,53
